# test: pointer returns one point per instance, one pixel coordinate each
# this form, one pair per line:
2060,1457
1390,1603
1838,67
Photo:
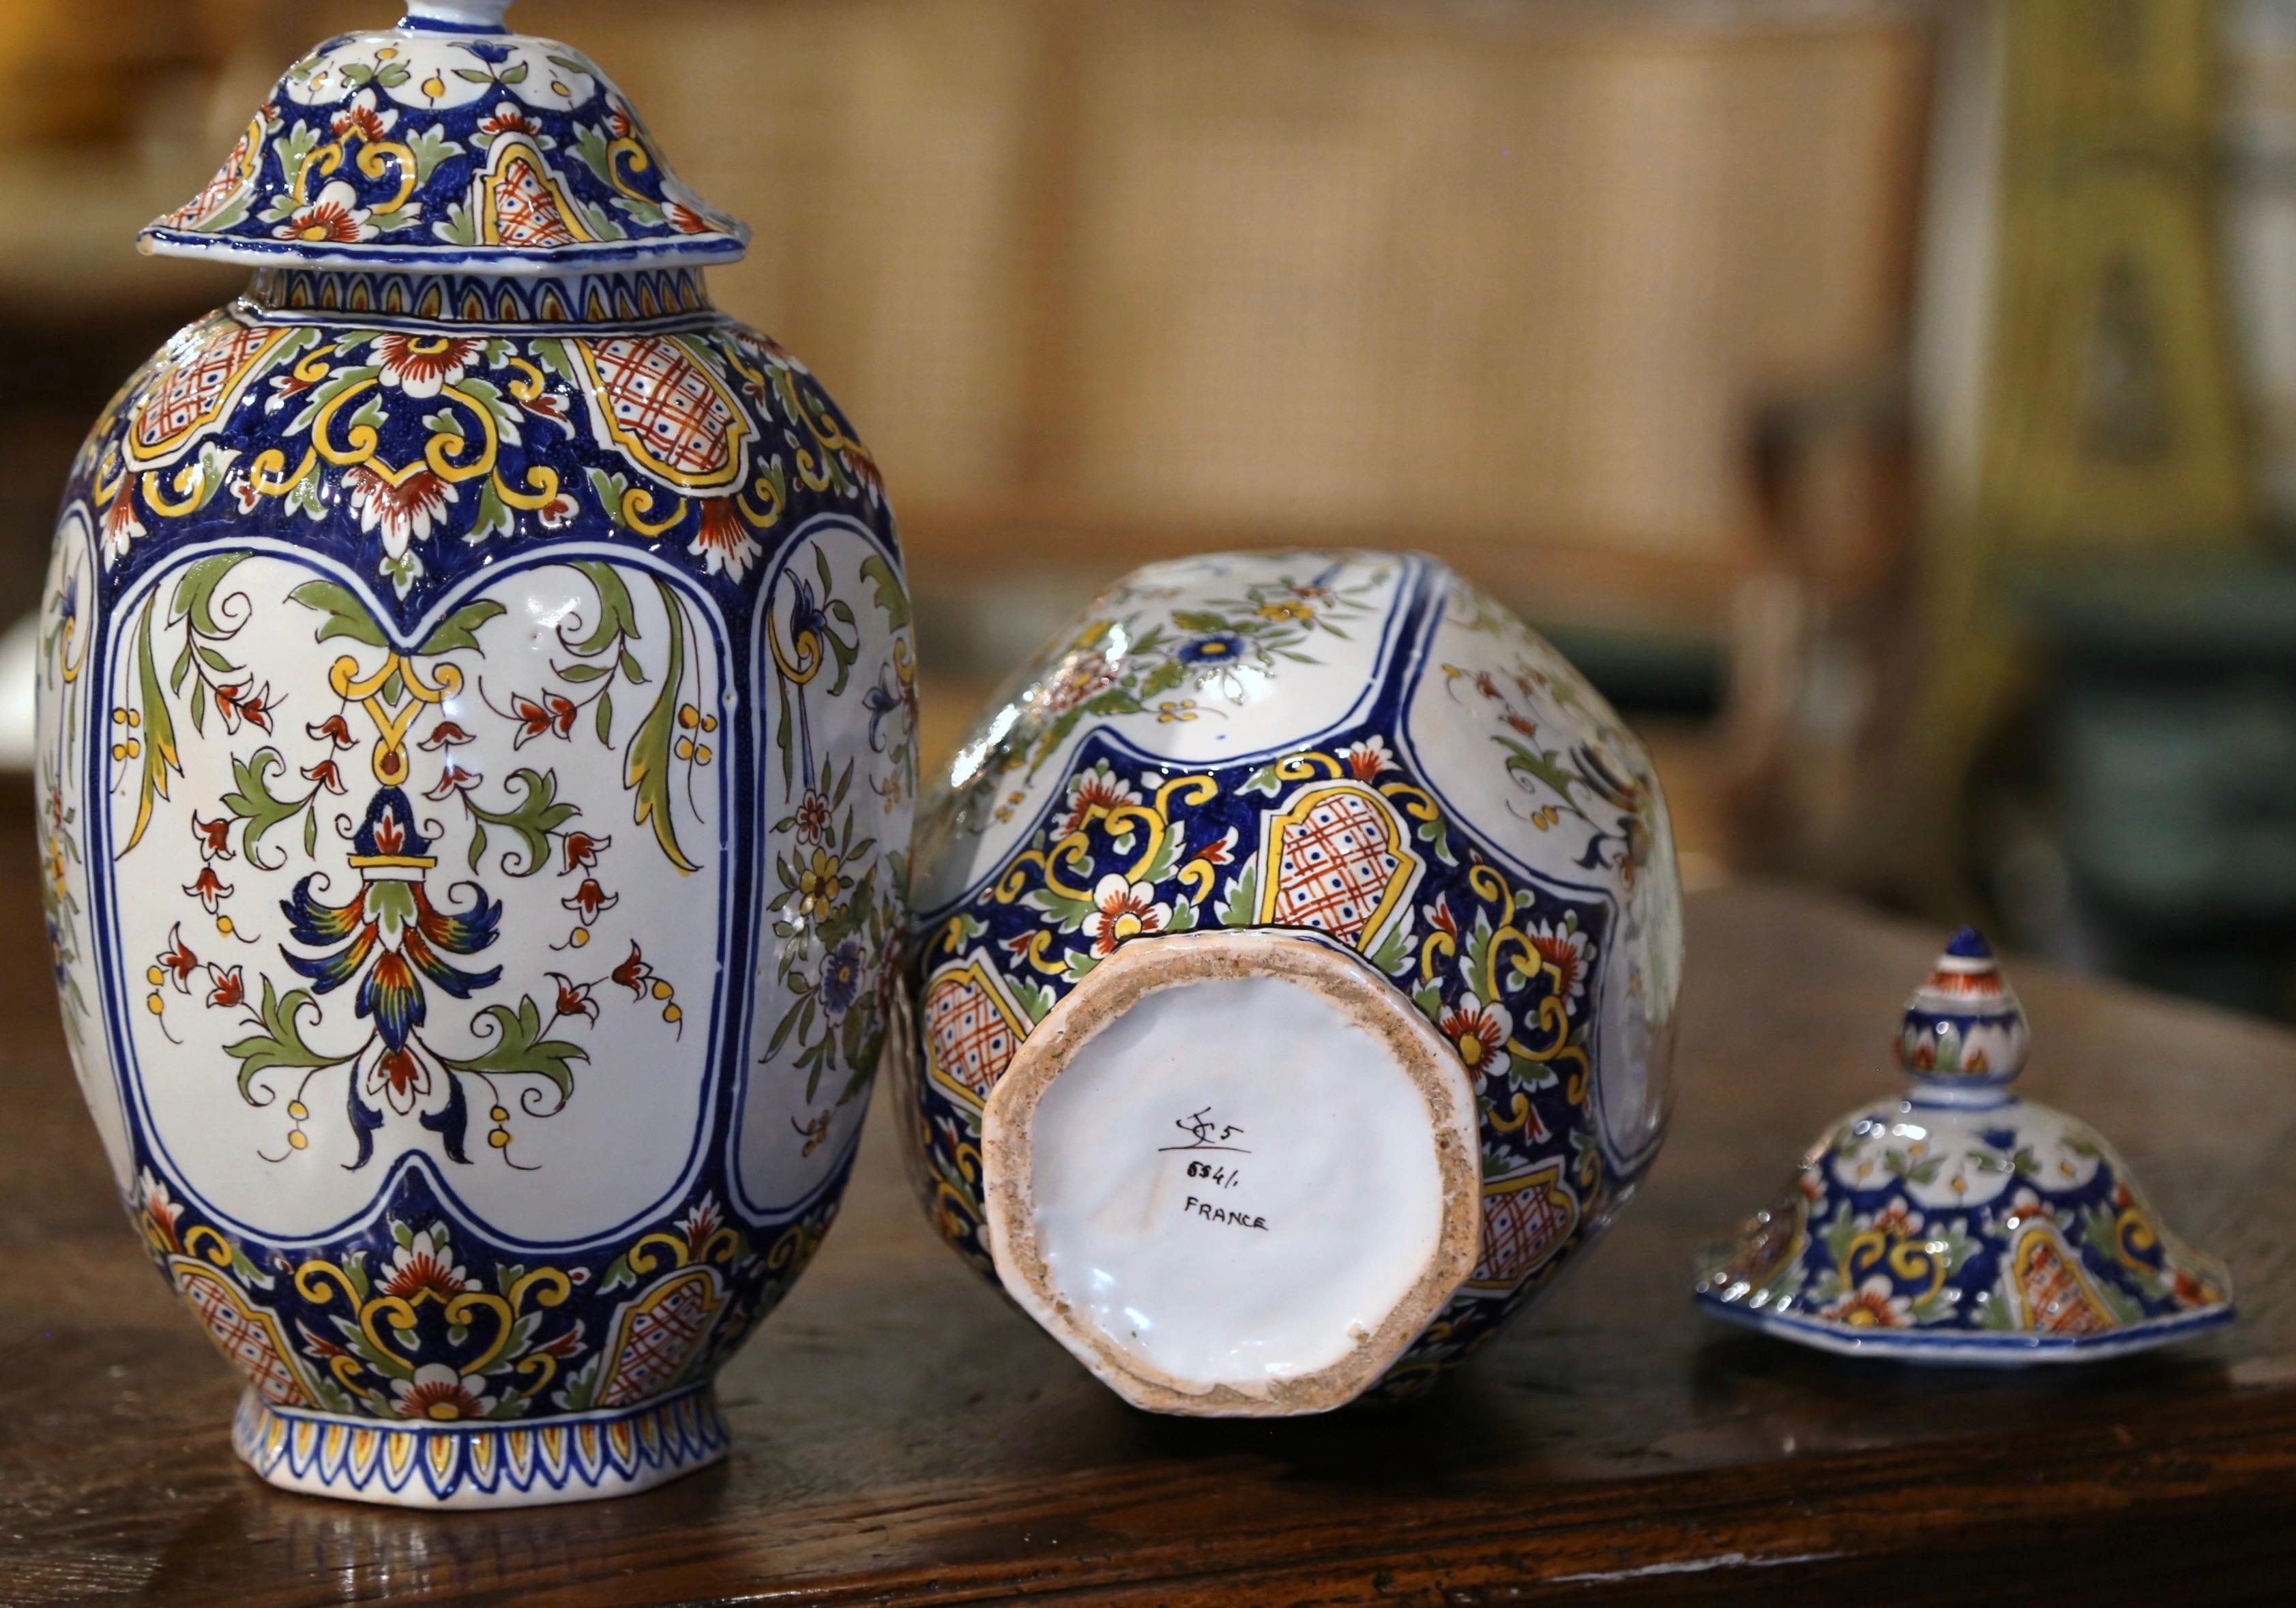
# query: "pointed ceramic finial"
1963,1033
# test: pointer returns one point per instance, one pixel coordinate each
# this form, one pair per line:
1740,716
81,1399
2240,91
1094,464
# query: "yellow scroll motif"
391,765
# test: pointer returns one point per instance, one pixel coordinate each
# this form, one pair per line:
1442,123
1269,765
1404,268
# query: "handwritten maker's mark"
1205,1132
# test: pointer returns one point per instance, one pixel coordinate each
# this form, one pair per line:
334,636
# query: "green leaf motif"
280,1044
646,769
536,816
520,1049
892,598
617,614
346,616
611,489
252,800
159,728
460,629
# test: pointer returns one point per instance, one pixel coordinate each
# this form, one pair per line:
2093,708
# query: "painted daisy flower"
1215,647
841,977
333,217
423,366
425,1263
508,118
152,1195
1871,1306
437,1391
121,527
1093,794
812,817
403,513
1122,910
1566,949
1479,1033
361,116
1368,760
724,544
1079,681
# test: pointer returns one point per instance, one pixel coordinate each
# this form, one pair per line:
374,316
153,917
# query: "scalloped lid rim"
447,144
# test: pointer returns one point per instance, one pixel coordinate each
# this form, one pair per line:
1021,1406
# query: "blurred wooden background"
1106,280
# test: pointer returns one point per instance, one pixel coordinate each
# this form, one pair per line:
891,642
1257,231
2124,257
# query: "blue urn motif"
477,734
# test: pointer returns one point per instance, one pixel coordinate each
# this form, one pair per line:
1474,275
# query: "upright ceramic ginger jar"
1298,943
476,764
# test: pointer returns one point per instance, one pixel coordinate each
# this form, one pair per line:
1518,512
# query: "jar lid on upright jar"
447,144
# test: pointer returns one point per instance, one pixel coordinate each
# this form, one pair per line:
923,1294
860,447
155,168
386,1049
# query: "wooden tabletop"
903,1436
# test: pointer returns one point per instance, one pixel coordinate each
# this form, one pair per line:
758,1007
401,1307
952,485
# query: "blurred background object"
1892,404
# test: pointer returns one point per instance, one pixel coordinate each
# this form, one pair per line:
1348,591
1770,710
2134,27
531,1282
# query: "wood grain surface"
903,1436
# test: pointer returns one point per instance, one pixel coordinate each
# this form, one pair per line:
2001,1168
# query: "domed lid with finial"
447,144
1958,1223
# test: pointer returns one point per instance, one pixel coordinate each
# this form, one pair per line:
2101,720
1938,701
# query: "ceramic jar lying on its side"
476,713
1297,953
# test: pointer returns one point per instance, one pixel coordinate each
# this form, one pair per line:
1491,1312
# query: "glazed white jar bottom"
1235,1173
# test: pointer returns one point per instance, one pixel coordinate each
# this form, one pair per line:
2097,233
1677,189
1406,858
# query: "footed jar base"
477,1465
1235,1174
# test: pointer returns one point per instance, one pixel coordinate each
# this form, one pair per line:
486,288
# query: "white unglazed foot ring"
1235,1174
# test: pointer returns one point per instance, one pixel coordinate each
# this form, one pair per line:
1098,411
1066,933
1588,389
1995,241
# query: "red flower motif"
403,512
574,997
589,899
724,543
684,219
214,836
335,218
177,961
243,700
398,1074
334,729
582,851
507,119
227,989
364,118
812,817
1368,760
326,774
568,1344
425,1266
447,736
1440,914
454,779
210,890
1219,853
1478,1031
423,366
634,973
389,836
555,713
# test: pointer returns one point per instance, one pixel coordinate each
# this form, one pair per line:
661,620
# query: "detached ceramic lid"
447,144
1958,1224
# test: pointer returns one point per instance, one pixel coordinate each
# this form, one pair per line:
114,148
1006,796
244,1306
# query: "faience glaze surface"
1355,745
476,735
446,142
1960,1224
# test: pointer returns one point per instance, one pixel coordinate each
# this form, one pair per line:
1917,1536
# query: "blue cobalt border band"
2014,1348
451,1465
